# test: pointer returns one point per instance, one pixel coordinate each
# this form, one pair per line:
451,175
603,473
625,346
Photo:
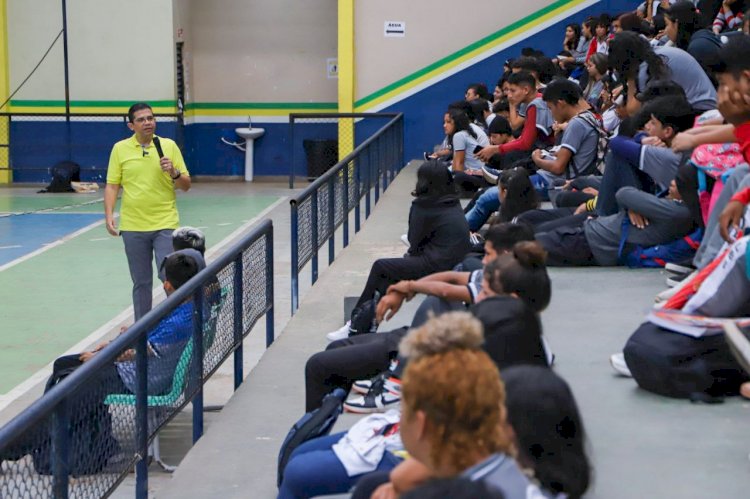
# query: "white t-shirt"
463,141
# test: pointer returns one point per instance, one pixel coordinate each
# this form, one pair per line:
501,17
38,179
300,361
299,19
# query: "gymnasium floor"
63,277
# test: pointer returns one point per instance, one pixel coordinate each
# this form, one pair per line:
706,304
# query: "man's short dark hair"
672,111
179,269
505,235
564,90
527,64
522,78
500,125
480,89
138,106
501,106
734,57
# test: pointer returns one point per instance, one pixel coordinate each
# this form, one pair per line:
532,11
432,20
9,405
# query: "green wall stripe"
446,60
261,105
89,103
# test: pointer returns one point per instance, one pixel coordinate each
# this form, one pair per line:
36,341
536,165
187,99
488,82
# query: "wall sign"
394,29
332,68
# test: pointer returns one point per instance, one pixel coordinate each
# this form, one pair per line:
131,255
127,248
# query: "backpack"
314,424
602,145
63,173
658,256
714,163
92,442
680,366
363,317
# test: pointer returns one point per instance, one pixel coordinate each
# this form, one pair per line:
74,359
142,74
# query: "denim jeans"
541,186
486,204
313,470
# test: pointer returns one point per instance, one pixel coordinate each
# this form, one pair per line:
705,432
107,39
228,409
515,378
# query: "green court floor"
55,299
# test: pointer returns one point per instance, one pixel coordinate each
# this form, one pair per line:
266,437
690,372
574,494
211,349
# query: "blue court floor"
24,234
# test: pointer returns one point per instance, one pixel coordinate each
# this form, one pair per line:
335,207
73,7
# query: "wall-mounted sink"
249,134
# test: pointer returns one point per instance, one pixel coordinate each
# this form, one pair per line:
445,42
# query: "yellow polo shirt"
149,202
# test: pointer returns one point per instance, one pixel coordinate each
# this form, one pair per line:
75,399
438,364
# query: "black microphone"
157,144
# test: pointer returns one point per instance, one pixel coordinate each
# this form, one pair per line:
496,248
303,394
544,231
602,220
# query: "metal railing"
82,438
34,142
325,204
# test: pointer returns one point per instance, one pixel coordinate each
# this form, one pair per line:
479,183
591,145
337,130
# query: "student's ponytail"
522,272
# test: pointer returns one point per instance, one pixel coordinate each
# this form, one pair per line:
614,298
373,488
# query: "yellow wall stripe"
5,174
346,74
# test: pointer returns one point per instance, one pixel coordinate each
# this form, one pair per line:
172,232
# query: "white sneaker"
549,356
339,334
617,360
405,240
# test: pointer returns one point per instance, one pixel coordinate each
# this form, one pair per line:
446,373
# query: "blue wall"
36,146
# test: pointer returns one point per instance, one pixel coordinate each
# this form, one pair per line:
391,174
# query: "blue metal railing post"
315,242
141,417
331,217
197,364
294,152
345,204
61,450
368,186
383,166
295,256
269,287
376,169
239,329
401,159
357,193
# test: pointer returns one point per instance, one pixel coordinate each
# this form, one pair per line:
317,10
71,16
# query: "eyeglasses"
144,119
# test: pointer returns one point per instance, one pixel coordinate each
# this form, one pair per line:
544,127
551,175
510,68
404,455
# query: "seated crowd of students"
640,143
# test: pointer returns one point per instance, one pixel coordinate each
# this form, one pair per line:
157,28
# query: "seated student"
447,428
165,344
513,195
729,17
515,288
481,111
636,63
438,238
581,240
476,91
465,140
500,133
645,162
364,356
578,146
600,42
537,126
596,67
511,337
548,429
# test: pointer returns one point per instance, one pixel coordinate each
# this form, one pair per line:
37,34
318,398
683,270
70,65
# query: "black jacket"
438,231
512,331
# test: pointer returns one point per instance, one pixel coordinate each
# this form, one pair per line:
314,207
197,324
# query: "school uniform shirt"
687,73
501,472
582,140
476,279
362,448
463,141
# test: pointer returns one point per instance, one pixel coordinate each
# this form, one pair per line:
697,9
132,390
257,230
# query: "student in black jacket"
438,237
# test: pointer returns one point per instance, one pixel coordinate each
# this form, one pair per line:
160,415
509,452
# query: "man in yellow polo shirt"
148,213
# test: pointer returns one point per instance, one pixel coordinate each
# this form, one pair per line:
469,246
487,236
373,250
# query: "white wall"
118,50
434,29
260,50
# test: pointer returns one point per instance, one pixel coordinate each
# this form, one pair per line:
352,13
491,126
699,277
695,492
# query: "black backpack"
680,366
63,173
314,424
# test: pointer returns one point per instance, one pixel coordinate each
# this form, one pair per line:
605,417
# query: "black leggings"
387,271
345,361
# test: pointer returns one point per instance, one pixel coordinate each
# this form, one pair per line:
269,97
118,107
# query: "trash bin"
321,155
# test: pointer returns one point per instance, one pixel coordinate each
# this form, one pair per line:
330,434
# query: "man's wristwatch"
179,174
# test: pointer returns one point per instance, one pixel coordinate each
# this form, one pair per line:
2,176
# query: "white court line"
13,246
49,246
42,374
224,224
100,239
